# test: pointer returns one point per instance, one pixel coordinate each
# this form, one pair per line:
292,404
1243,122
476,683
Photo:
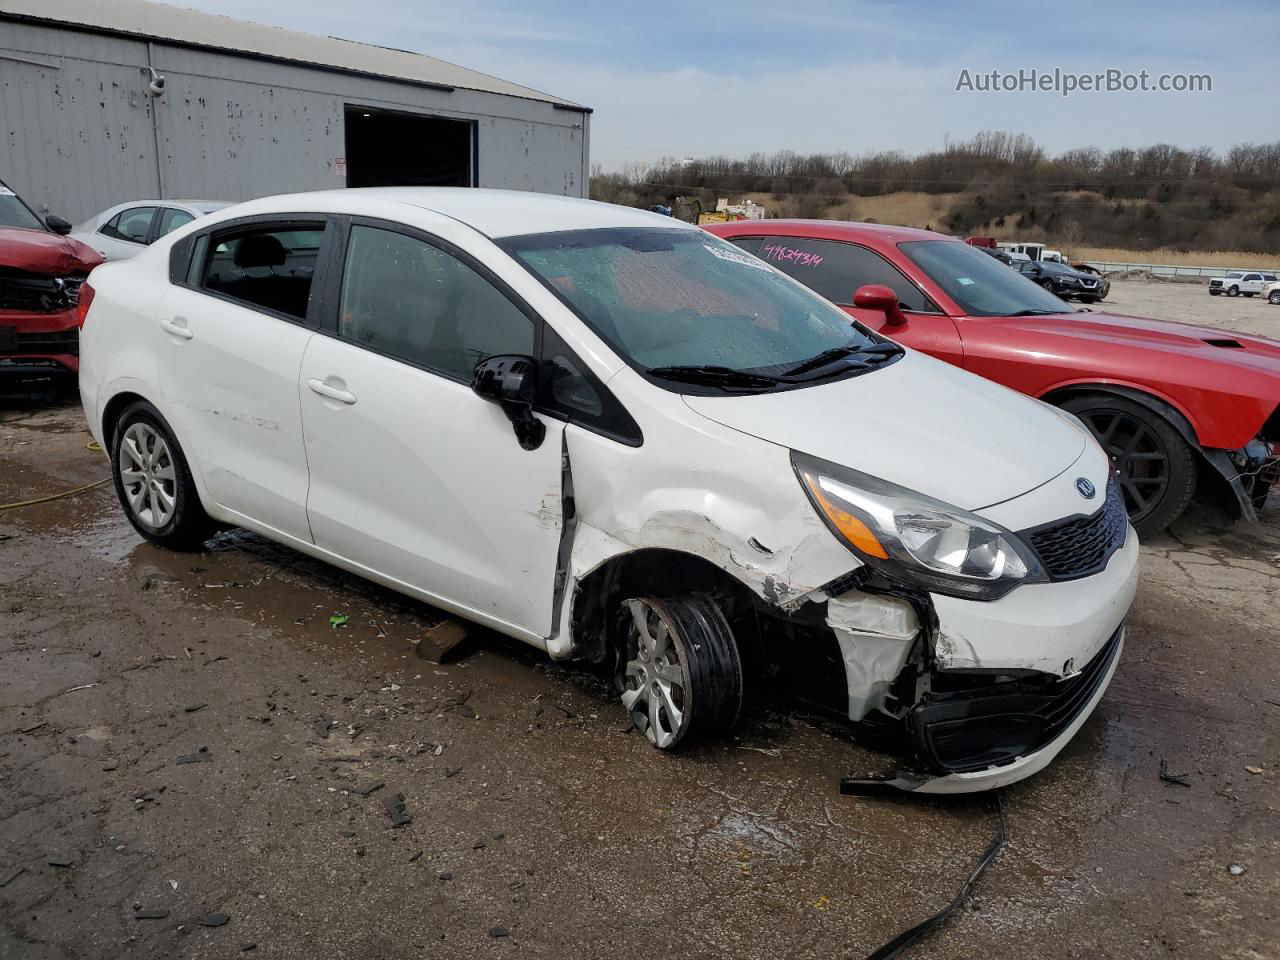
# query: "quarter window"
835,270
268,268
412,300
132,225
171,218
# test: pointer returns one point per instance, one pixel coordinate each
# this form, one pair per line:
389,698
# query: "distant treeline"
1156,196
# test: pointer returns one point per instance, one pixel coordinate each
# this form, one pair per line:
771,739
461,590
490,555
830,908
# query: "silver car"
127,229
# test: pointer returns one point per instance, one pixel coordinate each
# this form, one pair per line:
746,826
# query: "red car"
41,270
1179,407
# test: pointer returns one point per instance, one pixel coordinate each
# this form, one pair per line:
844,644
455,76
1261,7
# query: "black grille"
32,292
54,342
1081,546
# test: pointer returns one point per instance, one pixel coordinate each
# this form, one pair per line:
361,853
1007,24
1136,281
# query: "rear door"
126,234
236,330
836,269
413,476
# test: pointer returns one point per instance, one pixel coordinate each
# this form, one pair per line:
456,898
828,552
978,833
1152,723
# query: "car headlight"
916,540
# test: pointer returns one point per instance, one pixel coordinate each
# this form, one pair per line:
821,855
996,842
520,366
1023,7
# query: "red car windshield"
14,213
981,285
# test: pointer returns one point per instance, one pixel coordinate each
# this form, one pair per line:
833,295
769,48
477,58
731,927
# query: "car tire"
1246,294
1157,467
1088,299
1274,297
681,672
1233,291
1214,293
1048,285
153,480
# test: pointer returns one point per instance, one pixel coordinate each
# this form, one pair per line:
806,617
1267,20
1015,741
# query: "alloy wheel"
656,683
148,475
1139,455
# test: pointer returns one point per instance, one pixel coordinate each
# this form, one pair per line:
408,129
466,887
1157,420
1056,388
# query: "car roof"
827,230
495,213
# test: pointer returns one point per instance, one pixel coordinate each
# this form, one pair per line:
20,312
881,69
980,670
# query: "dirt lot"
187,733
1191,303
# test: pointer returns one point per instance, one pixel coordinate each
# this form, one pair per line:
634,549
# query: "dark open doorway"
389,149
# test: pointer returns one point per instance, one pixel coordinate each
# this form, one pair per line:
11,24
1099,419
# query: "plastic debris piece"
394,804
150,914
338,620
1179,779
214,920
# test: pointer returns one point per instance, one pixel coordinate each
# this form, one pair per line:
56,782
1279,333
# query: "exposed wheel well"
660,573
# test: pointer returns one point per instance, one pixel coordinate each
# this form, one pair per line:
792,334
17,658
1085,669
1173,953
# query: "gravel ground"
1191,303
187,734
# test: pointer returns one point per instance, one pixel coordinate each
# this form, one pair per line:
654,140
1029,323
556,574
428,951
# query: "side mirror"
57,224
876,296
511,381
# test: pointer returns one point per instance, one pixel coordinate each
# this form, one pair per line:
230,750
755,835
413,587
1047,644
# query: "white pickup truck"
1238,282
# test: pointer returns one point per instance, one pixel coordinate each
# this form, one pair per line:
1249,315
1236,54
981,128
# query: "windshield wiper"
854,354
1037,313
714,376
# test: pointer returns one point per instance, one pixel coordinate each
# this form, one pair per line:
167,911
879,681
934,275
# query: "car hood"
46,253
1208,345
920,423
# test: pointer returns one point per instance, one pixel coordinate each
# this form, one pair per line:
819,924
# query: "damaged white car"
625,441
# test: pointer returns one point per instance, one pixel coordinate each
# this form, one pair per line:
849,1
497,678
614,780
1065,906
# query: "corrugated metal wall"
77,132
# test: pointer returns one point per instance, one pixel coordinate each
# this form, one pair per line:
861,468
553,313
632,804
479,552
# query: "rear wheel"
153,481
682,674
1274,297
1156,466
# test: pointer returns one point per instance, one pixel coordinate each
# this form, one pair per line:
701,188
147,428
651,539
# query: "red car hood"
1208,344
45,253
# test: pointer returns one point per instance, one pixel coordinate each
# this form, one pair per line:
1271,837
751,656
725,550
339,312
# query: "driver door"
835,269
413,476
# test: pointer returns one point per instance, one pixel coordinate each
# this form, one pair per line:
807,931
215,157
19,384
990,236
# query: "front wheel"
1274,297
1233,291
153,481
1156,466
682,674
1088,299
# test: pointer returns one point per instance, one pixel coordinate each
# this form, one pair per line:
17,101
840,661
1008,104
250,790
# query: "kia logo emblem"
1086,488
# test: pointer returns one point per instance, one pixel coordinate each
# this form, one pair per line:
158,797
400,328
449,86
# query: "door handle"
333,393
178,327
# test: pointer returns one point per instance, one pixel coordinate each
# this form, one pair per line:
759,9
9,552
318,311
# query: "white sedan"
127,229
622,440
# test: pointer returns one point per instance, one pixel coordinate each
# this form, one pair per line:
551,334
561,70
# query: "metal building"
105,101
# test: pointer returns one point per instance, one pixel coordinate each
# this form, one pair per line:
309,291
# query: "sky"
671,79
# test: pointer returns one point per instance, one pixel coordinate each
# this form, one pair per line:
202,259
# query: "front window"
981,286
14,213
684,306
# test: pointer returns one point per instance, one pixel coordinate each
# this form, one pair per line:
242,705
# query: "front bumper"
37,345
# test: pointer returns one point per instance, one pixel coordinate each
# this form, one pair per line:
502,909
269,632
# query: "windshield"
14,213
675,300
979,284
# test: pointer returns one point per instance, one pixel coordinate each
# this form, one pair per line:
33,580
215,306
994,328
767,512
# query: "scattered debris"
321,726
111,765
1235,869
200,756
414,857
246,947
1176,778
34,727
369,788
907,938
767,751
338,620
148,577
83,686
445,875
194,707
440,641
61,860
394,804
498,932
214,920
1254,770
452,772
150,914
11,876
